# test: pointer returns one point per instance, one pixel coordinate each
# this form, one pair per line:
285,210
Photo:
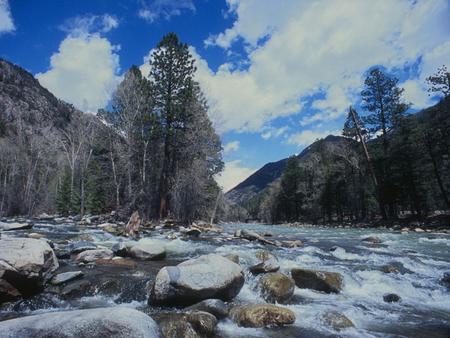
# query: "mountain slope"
260,179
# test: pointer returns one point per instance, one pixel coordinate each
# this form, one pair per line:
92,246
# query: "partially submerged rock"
111,322
209,276
261,315
64,277
328,282
277,287
267,263
26,264
15,226
337,320
372,240
90,256
187,325
391,298
253,236
120,249
146,250
215,307
233,258
445,280
389,269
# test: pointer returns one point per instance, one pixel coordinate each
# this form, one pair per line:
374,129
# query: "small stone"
337,320
391,298
261,315
372,240
90,256
389,269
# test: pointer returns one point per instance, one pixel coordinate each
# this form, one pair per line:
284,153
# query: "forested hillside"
155,150
390,163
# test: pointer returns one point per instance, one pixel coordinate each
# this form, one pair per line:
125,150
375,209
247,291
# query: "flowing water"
420,258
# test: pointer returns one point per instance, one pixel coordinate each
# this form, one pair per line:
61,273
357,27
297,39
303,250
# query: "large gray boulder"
148,251
90,256
115,322
15,226
209,276
261,315
26,264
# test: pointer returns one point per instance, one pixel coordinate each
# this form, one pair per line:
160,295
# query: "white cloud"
306,137
83,72
165,9
87,24
233,174
416,93
230,147
6,20
312,46
272,132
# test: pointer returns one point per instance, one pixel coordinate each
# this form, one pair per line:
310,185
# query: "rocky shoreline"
178,297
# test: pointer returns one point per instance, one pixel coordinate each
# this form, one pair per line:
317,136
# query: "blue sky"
277,77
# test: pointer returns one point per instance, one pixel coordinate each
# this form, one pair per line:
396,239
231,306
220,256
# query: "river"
421,259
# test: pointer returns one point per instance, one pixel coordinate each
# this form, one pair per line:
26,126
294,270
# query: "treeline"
155,150
390,163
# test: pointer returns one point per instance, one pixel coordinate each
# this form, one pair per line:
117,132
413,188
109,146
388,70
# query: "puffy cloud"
87,24
6,20
233,174
306,137
299,48
83,71
416,93
156,9
230,147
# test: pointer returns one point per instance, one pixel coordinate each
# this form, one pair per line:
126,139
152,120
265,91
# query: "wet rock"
209,276
110,228
132,227
120,249
391,298
65,277
90,256
337,321
148,251
233,258
371,240
62,253
215,307
182,325
267,263
333,248
389,269
194,232
419,230
81,246
445,280
328,282
277,287
291,244
15,226
76,289
261,315
26,264
35,235
112,322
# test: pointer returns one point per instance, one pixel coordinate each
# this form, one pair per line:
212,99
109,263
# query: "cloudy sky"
277,74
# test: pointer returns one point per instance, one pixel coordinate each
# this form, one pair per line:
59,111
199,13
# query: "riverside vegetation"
76,264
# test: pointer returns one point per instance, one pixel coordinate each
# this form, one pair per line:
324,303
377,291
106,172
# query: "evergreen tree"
440,82
63,202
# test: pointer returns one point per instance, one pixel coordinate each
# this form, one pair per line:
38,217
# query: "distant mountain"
260,179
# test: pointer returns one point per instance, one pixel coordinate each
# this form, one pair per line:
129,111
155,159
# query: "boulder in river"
111,322
372,240
15,226
196,324
26,264
328,282
337,320
391,298
120,249
261,315
209,276
277,287
445,280
389,269
268,262
233,258
253,236
132,227
64,277
214,306
148,251
90,256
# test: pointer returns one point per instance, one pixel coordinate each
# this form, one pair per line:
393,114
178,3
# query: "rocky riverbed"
73,278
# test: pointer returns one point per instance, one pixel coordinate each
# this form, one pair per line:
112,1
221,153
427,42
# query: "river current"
421,259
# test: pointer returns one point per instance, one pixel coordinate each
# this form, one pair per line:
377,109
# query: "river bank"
387,283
